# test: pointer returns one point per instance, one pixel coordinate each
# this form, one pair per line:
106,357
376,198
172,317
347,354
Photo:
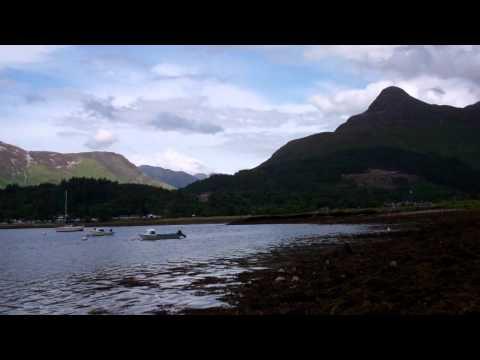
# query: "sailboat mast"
66,195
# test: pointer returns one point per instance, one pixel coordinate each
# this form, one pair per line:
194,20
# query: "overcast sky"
210,108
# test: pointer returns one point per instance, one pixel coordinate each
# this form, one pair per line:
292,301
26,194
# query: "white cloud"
174,70
227,95
101,140
372,53
341,102
173,160
17,55
404,61
338,104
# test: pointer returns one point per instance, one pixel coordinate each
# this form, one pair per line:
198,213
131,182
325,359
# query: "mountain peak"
393,91
391,97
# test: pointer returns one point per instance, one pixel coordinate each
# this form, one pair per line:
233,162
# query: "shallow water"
44,272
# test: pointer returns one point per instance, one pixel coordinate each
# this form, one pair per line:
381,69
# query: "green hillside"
18,166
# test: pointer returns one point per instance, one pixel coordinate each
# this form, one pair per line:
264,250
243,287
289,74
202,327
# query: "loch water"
45,272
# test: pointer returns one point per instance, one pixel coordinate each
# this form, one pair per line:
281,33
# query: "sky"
211,109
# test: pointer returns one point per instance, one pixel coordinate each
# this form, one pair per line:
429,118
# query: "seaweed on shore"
433,268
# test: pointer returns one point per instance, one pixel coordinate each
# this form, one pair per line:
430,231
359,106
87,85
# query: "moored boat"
68,227
100,232
151,234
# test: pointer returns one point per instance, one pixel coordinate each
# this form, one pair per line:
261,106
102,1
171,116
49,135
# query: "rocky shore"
428,263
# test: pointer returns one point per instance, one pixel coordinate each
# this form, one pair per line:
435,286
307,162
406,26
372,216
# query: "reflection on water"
44,272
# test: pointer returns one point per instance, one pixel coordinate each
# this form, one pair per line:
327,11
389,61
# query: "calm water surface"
44,272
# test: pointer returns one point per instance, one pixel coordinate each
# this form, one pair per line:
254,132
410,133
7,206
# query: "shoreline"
140,222
334,217
430,264
340,217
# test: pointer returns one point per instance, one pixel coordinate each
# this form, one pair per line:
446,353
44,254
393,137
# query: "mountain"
34,167
400,148
178,179
201,176
397,120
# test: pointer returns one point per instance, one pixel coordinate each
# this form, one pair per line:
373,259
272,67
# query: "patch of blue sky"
35,79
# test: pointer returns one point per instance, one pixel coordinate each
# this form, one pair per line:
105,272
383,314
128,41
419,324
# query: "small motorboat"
151,234
100,232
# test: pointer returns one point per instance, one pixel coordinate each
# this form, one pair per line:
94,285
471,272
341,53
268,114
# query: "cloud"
176,115
101,108
174,70
452,61
404,61
101,140
344,102
391,61
221,94
18,55
173,160
340,103
364,53
171,122
34,98
70,133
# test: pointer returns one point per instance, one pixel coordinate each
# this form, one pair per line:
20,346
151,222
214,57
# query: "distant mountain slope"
178,179
436,148
34,167
201,176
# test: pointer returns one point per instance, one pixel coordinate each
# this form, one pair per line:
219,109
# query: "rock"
327,262
98,311
280,278
281,270
295,279
347,248
393,263
133,282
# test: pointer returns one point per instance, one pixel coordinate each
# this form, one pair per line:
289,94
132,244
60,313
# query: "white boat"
68,228
151,234
100,232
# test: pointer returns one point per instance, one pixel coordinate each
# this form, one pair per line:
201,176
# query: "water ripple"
125,277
